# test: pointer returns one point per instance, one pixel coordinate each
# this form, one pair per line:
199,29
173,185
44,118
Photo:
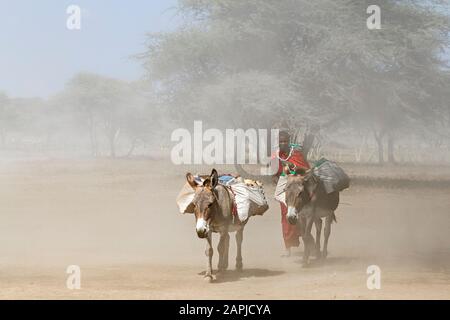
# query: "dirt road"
118,221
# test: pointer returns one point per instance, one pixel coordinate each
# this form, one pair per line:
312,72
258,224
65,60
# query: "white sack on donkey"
248,196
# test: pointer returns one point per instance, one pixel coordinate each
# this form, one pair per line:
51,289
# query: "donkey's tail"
333,217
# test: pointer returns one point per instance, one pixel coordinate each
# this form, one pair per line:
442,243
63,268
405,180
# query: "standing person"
292,155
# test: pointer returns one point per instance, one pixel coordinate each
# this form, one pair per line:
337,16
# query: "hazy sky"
38,54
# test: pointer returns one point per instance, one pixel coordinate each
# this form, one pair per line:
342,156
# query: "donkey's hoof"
239,267
208,278
221,270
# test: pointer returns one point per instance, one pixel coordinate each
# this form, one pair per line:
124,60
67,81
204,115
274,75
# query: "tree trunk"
133,146
112,148
3,138
92,136
379,140
360,149
390,141
114,134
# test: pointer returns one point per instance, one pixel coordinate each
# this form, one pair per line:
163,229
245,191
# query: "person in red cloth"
289,154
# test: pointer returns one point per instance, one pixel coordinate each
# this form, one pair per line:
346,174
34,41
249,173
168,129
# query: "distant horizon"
40,54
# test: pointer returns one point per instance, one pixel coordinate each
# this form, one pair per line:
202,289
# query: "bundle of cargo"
249,197
333,177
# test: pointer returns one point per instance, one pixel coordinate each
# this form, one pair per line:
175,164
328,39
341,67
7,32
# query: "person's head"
284,141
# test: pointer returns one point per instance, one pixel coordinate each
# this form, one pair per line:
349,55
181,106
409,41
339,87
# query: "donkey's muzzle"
292,216
293,220
201,228
202,234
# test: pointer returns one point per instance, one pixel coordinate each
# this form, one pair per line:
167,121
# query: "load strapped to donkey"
248,196
332,177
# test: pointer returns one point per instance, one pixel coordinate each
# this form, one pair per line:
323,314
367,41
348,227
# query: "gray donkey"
307,200
213,209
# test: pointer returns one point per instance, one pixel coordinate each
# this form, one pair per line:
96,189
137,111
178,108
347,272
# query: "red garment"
291,233
296,159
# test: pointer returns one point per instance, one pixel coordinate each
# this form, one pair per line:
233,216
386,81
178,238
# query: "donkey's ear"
214,178
207,183
190,179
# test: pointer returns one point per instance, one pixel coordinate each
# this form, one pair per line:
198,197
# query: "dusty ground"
118,221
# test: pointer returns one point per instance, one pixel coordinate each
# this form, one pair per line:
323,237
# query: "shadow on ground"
236,275
329,261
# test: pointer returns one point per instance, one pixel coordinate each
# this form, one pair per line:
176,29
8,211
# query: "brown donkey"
308,202
213,209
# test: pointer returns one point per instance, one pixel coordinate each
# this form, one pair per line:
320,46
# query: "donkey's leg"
209,254
220,248
318,224
327,231
226,251
239,239
223,251
308,240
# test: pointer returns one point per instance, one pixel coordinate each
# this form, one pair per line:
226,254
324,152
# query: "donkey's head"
204,200
300,190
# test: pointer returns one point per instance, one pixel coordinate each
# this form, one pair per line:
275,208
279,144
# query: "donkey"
307,200
213,209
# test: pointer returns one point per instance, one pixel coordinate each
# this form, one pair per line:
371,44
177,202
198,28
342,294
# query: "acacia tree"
140,117
6,117
340,72
103,105
382,78
82,92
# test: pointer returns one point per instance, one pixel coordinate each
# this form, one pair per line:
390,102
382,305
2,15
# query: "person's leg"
291,233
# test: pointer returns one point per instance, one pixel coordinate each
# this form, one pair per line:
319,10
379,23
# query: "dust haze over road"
119,222
86,176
